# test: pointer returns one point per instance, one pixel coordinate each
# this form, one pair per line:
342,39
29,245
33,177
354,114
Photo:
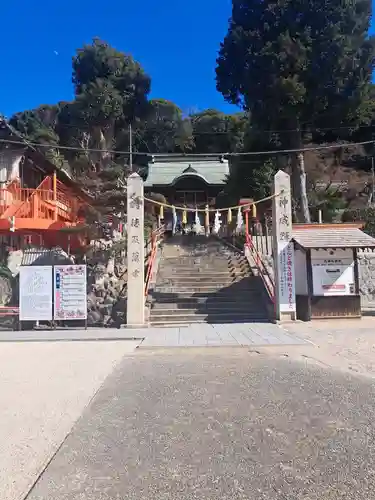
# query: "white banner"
35,293
287,294
70,292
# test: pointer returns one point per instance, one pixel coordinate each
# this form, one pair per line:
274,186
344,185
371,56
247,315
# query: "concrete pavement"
44,387
194,335
192,424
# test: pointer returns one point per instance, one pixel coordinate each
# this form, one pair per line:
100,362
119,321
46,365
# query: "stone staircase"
203,280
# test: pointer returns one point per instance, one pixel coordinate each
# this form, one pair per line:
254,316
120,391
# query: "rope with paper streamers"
234,207
206,210
217,223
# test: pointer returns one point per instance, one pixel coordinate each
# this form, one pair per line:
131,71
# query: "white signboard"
333,273
35,293
70,292
287,295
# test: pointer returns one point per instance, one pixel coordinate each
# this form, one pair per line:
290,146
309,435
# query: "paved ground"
347,345
44,387
267,416
196,335
219,424
223,335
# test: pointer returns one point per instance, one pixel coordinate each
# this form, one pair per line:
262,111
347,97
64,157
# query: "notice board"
35,293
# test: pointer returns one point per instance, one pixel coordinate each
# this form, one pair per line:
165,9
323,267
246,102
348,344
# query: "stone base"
284,317
144,325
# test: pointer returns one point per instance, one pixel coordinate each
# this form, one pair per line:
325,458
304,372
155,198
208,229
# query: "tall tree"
216,132
298,64
38,126
163,129
111,91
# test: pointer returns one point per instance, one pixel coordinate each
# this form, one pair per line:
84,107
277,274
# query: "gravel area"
219,424
44,387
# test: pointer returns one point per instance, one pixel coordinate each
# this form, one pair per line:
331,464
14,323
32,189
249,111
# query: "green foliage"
163,129
297,65
364,215
294,60
123,78
38,125
330,201
251,177
216,132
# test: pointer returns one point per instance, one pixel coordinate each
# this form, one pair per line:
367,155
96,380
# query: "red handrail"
155,238
263,271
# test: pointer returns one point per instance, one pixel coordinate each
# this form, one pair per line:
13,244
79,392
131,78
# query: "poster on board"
70,292
35,293
286,283
333,275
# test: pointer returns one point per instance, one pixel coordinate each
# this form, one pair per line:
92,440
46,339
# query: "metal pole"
130,148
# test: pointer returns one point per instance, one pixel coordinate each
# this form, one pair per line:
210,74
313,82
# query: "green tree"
111,92
37,125
163,129
297,65
217,132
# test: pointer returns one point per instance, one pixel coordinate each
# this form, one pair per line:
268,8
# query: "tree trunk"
102,140
298,179
299,188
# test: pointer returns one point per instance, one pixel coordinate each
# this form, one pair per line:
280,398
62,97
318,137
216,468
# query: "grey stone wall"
366,262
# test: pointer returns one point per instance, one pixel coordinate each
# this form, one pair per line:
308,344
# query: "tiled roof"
162,172
333,237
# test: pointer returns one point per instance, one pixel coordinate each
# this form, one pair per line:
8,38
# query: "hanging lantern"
161,213
184,217
254,212
239,225
217,222
229,215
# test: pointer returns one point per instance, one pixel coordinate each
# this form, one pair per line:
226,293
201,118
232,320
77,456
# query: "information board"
333,272
35,293
70,292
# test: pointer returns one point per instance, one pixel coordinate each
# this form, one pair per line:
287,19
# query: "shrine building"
191,182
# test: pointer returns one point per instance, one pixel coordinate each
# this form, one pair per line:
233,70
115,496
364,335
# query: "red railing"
156,236
267,279
42,202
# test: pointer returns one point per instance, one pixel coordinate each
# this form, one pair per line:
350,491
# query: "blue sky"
176,41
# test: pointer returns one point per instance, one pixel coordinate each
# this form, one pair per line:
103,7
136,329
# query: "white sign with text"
70,292
333,272
35,293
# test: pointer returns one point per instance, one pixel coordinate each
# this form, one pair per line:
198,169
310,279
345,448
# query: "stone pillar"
135,313
283,248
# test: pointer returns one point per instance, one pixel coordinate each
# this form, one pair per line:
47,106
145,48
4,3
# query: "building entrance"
191,199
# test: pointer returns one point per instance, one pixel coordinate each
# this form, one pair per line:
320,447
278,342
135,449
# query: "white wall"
300,272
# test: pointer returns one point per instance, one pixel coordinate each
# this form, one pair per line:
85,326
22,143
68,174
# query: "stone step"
197,281
254,308
204,318
196,274
208,289
219,266
219,300
227,294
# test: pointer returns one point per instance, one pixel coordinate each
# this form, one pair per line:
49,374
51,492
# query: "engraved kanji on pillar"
135,252
283,248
